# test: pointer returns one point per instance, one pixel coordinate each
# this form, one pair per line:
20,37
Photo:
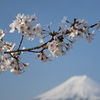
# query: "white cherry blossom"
63,32
2,33
17,67
30,36
98,25
56,48
48,25
20,16
73,32
33,17
90,37
4,63
43,57
39,32
14,25
1,47
26,20
17,71
9,46
64,20
3,68
61,27
82,22
38,29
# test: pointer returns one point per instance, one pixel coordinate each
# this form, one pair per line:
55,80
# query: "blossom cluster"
24,25
13,64
56,47
60,41
10,61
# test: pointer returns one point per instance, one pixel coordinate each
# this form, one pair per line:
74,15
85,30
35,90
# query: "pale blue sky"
83,59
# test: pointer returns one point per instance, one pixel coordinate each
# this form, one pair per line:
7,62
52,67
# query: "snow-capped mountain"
75,88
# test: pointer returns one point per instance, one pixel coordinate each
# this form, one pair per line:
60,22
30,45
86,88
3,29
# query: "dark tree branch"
30,49
93,25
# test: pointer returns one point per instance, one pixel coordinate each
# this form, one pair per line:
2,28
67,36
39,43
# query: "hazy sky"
83,59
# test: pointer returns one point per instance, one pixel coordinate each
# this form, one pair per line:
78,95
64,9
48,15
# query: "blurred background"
83,59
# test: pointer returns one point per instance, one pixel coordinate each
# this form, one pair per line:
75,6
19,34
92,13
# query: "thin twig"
93,25
21,42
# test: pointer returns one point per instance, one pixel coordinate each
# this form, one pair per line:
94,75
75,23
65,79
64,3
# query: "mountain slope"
76,88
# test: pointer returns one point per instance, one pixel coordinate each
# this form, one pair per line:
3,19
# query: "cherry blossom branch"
30,49
56,45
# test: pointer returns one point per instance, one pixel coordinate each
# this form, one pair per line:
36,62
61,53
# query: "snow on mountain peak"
75,88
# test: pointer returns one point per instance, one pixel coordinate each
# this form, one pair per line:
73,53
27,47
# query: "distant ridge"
75,88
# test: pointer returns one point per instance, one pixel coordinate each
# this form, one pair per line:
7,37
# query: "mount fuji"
75,88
